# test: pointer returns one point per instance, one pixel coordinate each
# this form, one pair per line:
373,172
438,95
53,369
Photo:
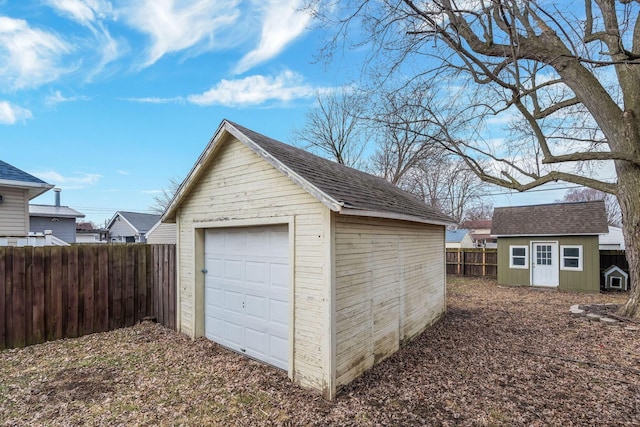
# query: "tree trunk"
629,199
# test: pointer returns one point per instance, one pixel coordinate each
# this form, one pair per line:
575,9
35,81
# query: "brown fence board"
480,262
58,292
38,296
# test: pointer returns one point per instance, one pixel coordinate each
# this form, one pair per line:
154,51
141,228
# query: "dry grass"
501,356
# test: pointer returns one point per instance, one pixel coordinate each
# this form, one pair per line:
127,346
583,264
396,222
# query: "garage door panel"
233,270
255,306
247,291
256,272
279,350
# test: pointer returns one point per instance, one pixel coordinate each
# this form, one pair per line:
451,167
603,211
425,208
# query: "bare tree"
335,128
481,211
614,216
163,199
562,77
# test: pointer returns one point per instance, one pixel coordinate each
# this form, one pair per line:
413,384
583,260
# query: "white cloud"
121,172
76,181
91,14
29,57
57,98
175,25
10,113
155,100
283,22
255,90
152,191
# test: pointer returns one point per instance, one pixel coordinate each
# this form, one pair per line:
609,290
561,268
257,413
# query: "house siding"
120,230
239,185
162,234
63,228
14,217
587,280
389,284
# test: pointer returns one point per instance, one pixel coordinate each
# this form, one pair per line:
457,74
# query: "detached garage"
300,262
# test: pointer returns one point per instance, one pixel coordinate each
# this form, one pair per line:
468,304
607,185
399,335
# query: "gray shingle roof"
140,221
352,189
455,236
11,175
579,218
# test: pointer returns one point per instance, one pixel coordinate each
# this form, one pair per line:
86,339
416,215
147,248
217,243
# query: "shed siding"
163,234
587,280
390,285
14,220
239,185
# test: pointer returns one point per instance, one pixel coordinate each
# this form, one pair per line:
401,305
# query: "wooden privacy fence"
49,293
472,262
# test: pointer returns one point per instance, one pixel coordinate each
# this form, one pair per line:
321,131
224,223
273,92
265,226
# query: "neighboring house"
86,233
162,232
554,245
303,263
130,227
17,187
481,233
460,238
613,240
61,220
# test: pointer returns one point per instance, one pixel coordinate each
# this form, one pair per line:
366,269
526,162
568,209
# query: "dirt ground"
501,356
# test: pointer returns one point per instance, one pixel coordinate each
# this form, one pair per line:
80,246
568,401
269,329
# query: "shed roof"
11,176
555,219
342,189
141,222
54,211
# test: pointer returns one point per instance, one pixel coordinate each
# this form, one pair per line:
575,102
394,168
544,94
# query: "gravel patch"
501,356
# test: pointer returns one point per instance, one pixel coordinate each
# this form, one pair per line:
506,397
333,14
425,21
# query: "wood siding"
163,233
390,285
14,212
587,280
238,185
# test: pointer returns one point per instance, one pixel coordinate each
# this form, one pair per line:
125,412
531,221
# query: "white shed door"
544,263
247,291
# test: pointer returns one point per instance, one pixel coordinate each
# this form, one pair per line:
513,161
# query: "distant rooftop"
54,211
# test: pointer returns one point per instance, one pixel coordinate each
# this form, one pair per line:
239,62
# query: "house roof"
477,224
455,236
555,219
342,189
54,211
11,176
141,222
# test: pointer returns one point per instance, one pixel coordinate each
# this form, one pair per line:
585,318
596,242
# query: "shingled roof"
556,219
141,222
14,177
342,189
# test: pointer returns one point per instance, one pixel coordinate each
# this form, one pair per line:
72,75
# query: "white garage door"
247,291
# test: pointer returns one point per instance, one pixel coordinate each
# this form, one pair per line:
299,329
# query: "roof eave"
35,188
392,215
547,235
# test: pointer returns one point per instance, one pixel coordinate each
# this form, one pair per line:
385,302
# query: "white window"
571,258
518,256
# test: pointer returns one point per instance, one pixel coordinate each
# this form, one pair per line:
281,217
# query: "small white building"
457,239
305,264
130,227
613,240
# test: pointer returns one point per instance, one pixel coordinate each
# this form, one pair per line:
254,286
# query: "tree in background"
164,198
335,127
560,80
614,217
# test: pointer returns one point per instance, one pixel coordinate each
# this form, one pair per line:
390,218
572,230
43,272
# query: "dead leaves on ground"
501,356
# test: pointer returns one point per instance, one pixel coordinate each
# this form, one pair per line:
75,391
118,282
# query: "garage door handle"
204,270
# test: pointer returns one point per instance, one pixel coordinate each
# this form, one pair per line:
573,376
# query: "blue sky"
108,100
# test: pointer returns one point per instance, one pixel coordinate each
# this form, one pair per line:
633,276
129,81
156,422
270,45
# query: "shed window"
518,257
571,258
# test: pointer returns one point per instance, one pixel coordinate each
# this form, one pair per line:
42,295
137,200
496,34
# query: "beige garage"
305,264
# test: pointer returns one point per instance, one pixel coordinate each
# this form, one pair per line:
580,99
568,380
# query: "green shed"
551,245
